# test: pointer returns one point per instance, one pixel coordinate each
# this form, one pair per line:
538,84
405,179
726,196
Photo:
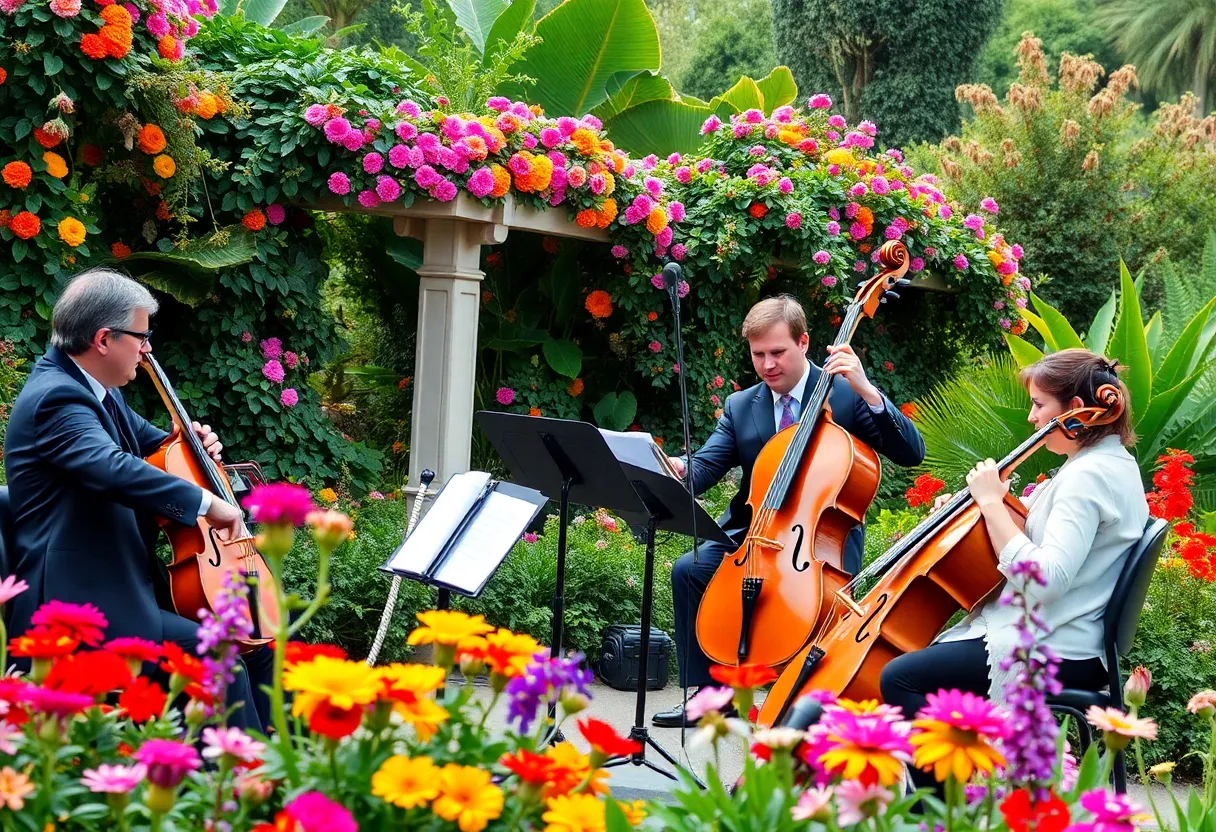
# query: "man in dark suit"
84,501
775,330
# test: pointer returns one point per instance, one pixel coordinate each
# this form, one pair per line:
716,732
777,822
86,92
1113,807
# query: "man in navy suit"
775,329
84,501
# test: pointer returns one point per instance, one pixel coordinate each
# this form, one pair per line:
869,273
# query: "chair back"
1127,599
6,532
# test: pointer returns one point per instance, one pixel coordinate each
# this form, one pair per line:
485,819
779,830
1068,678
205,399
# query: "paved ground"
630,782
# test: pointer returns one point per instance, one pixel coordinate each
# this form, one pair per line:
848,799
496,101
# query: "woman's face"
1043,408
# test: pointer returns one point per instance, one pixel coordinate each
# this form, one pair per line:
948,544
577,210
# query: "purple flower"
682,289
1005,323
785,185
276,213
220,630
271,347
545,680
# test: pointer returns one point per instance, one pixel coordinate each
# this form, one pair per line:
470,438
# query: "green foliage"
12,375
1062,25
731,41
894,63
1080,181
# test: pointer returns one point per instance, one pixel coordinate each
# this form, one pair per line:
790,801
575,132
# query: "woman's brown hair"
1078,372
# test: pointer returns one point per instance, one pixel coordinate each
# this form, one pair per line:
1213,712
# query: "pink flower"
315,812
711,125
289,397
709,699
598,183
989,205
855,802
664,237
819,101
837,121
655,346
657,281
857,231
833,228
785,185
373,163
653,186
276,213
1005,323
233,742
678,251
821,257
682,289
1118,729
168,761
65,8
505,396
315,114
54,702
339,183
858,189
498,103
273,371
828,280
246,337
272,347
405,131
675,212
753,116
368,198
1203,704
336,129
353,140
974,221
1111,812
917,264
793,220
960,262
481,183
965,712
277,503
880,185
10,588
409,108
813,804
158,25
83,621
998,305
387,188
291,359
1024,282
445,191
106,779
530,537
619,251
375,495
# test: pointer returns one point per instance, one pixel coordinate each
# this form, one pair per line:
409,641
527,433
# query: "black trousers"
253,670
688,583
907,680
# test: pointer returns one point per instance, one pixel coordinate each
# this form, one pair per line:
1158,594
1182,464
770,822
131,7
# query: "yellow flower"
164,166
508,653
13,788
1162,771
948,750
859,707
840,156
418,679
406,782
327,495
467,797
71,231
341,683
574,813
55,164
635,812
423,713
448,627
571,768
996,258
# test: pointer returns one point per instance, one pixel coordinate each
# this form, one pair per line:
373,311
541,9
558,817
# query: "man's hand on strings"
677,464
842,361
211,442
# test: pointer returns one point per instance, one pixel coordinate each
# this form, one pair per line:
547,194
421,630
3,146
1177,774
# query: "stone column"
445,363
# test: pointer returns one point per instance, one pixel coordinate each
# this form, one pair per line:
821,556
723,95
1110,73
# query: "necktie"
787,412
120,424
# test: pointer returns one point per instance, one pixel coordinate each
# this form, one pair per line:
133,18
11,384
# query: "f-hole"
215,548
862,635
798,548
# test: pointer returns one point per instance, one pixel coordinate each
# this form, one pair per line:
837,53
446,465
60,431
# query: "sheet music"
637,448
431,534
485,542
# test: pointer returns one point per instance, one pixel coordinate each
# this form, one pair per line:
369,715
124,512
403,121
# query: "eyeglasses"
142,336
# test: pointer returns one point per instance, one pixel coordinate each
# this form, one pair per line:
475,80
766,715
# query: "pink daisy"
168,761
107,779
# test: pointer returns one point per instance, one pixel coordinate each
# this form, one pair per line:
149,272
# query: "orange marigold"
607,213
208,106
866,217
93,46
151,138
586,141
116,15
652,316
599,304
166,47
576,387
758,210
1019,326
17,174
254,220
502,181
25,225
117,38
56,165
656,221
587,218
533,411
71,231
164,166
6,216
120,250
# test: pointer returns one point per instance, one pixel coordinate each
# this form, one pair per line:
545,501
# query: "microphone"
673,275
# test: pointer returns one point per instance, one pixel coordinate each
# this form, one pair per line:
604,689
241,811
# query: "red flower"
181,663
333,722
254,220
605,742
1172,499
748,676
93,673
1049,815
90,154
529,767
44,643
82,621
143,700
923,490
299,651
758,210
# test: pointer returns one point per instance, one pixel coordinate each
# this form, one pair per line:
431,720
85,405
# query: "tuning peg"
903,281
892,295
859,285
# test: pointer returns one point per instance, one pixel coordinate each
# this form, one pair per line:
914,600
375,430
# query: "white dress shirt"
798,394
101,392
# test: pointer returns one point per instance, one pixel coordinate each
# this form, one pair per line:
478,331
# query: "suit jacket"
82,506
747,424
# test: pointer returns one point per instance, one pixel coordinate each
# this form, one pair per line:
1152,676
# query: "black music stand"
571,459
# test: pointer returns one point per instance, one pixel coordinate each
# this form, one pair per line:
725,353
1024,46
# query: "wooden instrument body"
201,561
955,568
836,483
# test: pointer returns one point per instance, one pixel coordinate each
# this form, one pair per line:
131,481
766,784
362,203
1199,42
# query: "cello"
201,560
811,483
943,565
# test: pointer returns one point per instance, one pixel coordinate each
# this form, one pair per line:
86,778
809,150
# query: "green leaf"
1024,352
615,818
628,89
1063,336
1152,337
204,255
744,95
1099,331
564,357
1179,360
777,88
306,25
1161,410
189,287
1129,346
509,24
1040,327
52,63
659,127
262,11
560,283
407,251
616,411
476,18
227,8
584,43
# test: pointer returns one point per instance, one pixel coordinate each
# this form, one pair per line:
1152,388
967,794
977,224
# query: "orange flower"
164,166
93,673
117,39
162,212
6,217
909,409
502,180
758,210
167,47
25,225
1019,326
528,767
745,676
576,387
587,218
3,75
599,304
71,231
923,490
866,217
208,106
656,221
605,742
534,411
93,46
151,138
17,174
43,642
142,700
586,141
47,140
254,220
607,213
56,165
116,15
652,316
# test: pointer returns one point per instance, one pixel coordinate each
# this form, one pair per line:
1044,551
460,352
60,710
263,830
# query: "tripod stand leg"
559,589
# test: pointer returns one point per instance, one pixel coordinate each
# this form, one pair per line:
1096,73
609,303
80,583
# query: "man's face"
122,353
779,360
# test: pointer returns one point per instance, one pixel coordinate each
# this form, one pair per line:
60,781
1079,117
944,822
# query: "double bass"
943,565
201,560
811,484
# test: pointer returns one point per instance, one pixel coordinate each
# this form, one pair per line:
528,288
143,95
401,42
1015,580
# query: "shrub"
11,378
730,42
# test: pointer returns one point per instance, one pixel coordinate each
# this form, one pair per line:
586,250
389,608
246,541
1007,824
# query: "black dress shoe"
675,717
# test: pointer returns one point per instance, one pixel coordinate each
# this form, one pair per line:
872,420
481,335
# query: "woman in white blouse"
1081,527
